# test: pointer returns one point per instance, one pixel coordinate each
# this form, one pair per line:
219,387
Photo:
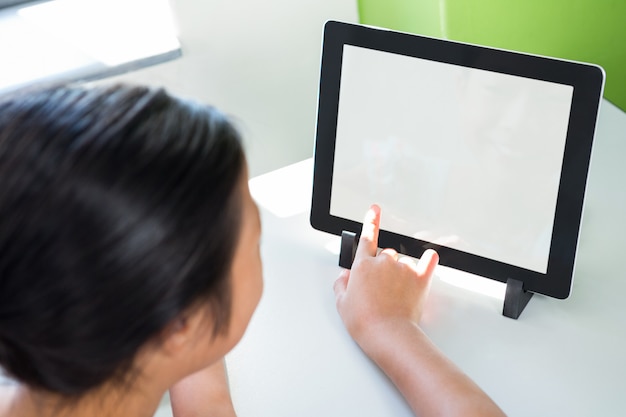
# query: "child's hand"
380,301
381,288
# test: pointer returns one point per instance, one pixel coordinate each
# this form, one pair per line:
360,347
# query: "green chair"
581,30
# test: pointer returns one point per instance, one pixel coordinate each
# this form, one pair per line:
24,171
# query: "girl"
129,264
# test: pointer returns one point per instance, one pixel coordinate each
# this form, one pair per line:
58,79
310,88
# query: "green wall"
582,30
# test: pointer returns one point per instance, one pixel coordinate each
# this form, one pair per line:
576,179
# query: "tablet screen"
457,156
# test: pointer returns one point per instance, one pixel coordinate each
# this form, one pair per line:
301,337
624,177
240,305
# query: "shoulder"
8,391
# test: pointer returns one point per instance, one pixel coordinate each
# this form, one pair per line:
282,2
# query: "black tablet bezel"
587,81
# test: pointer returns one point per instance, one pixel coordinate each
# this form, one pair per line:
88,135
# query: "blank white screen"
460,157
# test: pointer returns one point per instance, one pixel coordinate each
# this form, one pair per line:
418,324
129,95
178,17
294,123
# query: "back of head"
118,211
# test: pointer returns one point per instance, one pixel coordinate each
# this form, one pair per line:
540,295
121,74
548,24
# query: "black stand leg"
515,299
348,249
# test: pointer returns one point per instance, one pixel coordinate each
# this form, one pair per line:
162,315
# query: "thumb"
341,284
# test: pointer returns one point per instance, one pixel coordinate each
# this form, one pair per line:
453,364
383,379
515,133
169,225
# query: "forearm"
432,385
205,393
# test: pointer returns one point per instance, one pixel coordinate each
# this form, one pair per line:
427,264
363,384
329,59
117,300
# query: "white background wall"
257,61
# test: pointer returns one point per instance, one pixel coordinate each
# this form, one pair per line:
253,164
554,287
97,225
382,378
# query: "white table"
561,358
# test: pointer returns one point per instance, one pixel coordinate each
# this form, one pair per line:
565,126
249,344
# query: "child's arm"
380,301
204,393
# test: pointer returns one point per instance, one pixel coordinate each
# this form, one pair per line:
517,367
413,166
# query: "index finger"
368,242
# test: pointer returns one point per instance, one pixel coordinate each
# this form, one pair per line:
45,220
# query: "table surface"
560,358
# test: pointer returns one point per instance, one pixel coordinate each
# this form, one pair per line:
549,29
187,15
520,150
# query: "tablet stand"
515,298
348,249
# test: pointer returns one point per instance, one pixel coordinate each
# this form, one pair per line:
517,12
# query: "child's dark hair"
119,210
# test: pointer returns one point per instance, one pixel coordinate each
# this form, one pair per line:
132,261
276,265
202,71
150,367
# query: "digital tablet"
479,153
